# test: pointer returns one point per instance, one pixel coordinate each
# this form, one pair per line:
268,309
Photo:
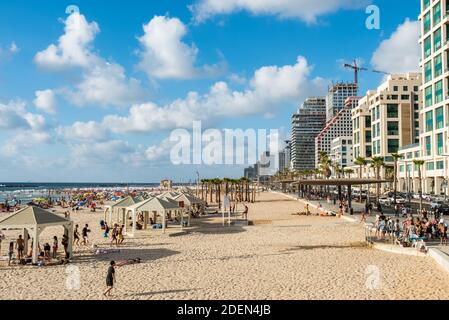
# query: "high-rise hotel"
434,64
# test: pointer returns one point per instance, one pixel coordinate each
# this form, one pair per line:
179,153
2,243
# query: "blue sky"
100,104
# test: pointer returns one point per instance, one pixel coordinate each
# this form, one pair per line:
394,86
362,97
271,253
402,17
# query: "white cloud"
401,52
103,83
13,48
305,10
84,131
270,87
45,101
106,84
165,55
107,152
73,48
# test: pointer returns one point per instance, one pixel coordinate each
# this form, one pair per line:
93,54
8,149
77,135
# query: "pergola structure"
157,206
119,207
304,183
33,220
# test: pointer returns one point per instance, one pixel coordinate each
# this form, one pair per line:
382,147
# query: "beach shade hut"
119,207
170,194
157,206
33,221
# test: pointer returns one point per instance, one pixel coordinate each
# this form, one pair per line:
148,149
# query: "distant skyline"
94,95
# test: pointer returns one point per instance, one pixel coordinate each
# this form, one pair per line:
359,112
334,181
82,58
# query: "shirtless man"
20,246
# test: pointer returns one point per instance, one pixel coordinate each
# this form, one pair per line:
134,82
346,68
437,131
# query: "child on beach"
110,279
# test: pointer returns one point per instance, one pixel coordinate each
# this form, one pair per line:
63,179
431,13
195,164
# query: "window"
427,47
439,91
437,40
369,152
439,118
438,66
377,113
428,146
415,88
427,24
402,168
439,144
426,4
429,121
405,97
368,136
393,128
440,165
428,96
428,71
393,145
367,121
437,14
405,88
430,166
392,111
395,88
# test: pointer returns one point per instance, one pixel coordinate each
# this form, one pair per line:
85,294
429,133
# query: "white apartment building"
338,126
342,151
434,65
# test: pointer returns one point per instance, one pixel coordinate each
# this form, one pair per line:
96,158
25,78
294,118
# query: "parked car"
426,197
385,201
437,204
399,200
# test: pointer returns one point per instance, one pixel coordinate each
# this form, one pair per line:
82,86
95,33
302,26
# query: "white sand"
292,257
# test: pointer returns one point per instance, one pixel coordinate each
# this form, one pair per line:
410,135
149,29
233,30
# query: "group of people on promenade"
411,229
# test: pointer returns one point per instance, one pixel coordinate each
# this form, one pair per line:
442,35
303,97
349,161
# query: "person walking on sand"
20,246
110,279
121,238
85,234
114,235
245,212
76,236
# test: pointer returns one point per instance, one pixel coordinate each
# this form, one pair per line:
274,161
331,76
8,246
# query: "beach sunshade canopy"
170,194
125,202
153,204
34,220
32,216
188,199
170,200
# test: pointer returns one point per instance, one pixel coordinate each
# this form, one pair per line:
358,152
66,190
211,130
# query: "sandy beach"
281,256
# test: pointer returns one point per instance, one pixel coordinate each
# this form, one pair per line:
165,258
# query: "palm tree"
396,157
337,169
419,164
377,163
361,162
325,163
349,172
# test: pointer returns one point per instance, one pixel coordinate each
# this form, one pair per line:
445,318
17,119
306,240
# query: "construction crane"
356,69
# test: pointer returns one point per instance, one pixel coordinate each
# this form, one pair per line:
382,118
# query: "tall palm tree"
396,157
361,162
325,164
419,164
377,163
